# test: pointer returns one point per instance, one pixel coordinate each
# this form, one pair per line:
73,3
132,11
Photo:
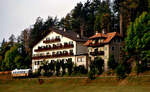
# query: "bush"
120,71
63,66
37,73
42,72
92,72
99,64
48,74
57,68
141,66
69,66
82,69
76,69
51,67
112,64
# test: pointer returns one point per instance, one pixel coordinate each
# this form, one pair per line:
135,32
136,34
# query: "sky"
17,15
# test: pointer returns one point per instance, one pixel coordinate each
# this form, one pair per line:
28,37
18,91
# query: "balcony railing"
96,44
97,53
52,56
52,40
55,47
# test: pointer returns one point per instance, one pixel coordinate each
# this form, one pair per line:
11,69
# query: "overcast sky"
16,15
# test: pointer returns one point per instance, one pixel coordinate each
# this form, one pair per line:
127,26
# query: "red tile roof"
98,35
107,37
87,42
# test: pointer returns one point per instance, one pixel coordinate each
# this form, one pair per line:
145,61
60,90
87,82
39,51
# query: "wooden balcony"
96,44
97,53
55,47
52,56
52,40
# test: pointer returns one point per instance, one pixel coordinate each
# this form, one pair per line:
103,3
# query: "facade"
60,45
103,45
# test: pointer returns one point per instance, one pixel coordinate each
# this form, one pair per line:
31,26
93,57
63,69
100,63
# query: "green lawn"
77,85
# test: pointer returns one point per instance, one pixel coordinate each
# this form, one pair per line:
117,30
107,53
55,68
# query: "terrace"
54,55
48,40
96,53
54,47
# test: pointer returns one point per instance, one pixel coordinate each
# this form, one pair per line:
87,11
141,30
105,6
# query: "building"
60,45
103,45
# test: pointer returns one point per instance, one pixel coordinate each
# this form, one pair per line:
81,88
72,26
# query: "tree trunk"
81,30
121,22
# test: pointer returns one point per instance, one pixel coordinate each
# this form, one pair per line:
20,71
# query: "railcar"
21,73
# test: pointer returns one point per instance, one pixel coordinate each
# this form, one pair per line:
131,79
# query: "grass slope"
139,84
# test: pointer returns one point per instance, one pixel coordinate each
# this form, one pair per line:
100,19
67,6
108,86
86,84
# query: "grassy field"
140,84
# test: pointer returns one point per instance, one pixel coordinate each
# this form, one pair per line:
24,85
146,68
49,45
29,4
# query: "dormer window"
93,42
99,41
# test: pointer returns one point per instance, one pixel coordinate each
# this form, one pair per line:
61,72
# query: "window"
119,40
47,38
96,50
78,59
52,60
112,48
105,48
99,41
57,37
105,57
41,54
90,50
53,53
120,47
58,44
37,62
65,43
71,42
47,53
64,51
71,51
82,59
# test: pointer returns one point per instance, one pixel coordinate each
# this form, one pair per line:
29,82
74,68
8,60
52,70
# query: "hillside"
130,84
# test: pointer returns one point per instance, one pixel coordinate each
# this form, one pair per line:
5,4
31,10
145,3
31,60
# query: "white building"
60,45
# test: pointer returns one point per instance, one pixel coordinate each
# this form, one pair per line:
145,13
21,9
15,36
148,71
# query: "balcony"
51,40
97,53
96,44
54,47
53,56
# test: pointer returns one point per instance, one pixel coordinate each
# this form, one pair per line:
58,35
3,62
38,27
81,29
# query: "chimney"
96,32
78,36
64,29
104,31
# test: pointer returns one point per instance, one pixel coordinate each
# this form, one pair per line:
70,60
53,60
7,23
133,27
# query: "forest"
130,18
